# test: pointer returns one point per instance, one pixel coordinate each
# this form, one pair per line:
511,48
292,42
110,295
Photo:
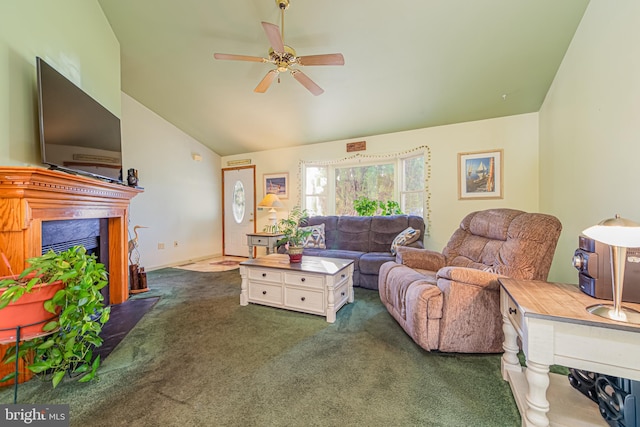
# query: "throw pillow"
409,235
316,238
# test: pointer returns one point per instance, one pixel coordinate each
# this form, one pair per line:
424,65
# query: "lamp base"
627,315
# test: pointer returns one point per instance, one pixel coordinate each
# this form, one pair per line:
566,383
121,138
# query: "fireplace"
92,233
31,197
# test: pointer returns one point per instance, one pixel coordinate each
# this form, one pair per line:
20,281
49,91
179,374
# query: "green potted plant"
365,206
293,235
77,314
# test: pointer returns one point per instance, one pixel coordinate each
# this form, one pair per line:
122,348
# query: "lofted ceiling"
409,64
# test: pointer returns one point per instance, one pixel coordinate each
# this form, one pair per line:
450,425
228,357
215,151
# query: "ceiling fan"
285,57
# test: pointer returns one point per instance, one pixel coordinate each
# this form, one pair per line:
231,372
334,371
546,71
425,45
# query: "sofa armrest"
470,276
423,259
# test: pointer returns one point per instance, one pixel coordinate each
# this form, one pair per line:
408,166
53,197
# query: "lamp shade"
616,232
270,201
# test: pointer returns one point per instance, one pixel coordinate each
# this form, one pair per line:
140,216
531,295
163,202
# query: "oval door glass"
238,202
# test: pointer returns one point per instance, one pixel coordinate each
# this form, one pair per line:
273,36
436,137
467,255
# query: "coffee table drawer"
304,299
265,292
340,294
265,275
302,279
339,278
514,314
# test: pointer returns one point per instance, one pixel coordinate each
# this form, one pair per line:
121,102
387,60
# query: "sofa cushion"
353,233
316,238
404,238
330,228
370,262
385,228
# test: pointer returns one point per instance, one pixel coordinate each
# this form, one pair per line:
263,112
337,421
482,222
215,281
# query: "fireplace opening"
93,234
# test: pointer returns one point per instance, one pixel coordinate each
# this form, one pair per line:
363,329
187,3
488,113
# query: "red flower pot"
28,313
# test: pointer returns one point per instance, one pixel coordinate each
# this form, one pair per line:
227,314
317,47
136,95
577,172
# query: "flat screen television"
77,134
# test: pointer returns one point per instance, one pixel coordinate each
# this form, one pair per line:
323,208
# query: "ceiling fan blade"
266,81
326,59
273,34
307,82
231,57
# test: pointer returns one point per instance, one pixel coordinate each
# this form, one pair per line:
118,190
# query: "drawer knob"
264,274
343,276
302,299
259,241
302,280
342,293
264,292
512,310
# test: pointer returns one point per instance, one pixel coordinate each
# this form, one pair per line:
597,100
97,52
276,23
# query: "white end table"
555,328
268,240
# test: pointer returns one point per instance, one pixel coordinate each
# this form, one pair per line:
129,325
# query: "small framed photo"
480,175
278,184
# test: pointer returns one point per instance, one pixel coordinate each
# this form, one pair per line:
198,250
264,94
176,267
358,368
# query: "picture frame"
480,175
277,183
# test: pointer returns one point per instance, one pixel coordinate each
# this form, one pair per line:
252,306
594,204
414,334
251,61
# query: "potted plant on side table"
293,235
76,314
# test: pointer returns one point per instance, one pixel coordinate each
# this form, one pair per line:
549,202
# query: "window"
400,179
413,182
315,190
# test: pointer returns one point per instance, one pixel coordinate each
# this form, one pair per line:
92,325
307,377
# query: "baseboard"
177,263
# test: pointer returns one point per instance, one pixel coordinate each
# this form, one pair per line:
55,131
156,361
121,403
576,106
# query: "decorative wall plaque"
356,146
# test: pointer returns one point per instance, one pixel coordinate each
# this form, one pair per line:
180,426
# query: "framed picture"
278,184
480,175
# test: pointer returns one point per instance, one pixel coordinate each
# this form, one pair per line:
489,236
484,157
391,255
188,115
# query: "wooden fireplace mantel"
31,195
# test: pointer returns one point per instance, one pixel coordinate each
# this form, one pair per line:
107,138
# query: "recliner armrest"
423,259
470,276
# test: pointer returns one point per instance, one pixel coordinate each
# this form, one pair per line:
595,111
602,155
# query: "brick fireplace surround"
31,195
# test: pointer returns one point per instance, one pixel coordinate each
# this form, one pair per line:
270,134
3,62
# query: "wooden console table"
554,327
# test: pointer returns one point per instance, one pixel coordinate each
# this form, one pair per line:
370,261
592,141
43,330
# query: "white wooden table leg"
244,296
351,297
537,376
509,361
331,305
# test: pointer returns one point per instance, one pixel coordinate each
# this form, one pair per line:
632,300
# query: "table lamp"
619,234
271,201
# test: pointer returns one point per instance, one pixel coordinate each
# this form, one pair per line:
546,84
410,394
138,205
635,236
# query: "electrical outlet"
160,245
175,244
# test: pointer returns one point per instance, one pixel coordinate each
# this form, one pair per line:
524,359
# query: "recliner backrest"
505,241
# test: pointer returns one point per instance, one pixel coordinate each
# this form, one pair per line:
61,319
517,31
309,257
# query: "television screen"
77,134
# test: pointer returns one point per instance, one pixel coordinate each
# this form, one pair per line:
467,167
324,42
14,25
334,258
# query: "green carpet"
198,358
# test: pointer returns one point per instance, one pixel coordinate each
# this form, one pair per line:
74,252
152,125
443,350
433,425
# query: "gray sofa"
364,239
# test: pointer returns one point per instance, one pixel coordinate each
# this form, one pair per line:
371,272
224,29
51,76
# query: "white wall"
590,127
182,197
74,37
517,135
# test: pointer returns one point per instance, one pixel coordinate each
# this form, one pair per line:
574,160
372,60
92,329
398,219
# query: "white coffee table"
317,285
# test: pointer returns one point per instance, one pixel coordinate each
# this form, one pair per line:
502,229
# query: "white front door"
239,200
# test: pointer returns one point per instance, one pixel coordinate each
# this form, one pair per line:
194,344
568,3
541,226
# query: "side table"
267,240
555,328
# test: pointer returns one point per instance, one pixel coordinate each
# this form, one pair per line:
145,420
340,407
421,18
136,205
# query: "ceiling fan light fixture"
284,57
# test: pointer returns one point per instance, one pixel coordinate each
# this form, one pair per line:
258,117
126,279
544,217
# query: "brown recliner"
450,301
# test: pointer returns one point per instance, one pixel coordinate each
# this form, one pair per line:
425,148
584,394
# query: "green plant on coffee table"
294,236
82,314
